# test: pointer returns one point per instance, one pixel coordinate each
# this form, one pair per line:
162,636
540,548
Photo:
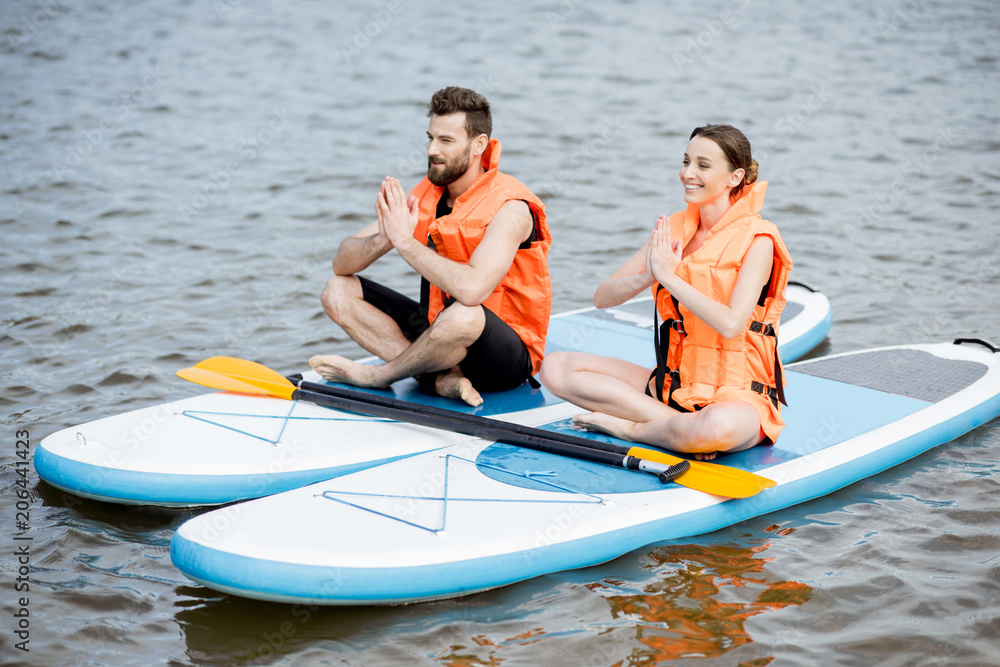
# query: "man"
480,242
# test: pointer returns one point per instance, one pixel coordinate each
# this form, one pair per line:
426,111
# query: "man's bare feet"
338,369
455,385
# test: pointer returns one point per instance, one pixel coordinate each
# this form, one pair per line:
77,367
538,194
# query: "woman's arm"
631,278
729,318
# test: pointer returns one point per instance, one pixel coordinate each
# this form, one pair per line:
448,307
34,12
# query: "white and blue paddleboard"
479,515
220,447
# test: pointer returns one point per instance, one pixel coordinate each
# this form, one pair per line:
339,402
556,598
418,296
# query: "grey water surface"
175,177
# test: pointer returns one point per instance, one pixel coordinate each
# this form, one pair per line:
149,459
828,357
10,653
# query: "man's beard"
452,170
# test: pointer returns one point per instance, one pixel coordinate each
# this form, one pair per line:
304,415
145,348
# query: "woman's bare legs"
614,390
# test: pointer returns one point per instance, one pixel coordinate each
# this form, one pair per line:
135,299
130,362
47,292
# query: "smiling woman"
718,161
728,269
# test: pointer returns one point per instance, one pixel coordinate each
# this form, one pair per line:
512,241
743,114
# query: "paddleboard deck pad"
478,515
221,447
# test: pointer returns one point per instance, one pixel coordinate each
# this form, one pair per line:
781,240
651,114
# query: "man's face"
448,149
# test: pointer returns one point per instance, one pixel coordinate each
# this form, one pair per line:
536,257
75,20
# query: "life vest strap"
676,325
779,395
779,377
675,383
763,389
661,344
763,329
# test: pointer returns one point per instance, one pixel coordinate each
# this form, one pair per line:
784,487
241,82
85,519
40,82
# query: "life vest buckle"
764,390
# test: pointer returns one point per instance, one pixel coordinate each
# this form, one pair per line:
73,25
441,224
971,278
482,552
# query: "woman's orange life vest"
703,366
523,298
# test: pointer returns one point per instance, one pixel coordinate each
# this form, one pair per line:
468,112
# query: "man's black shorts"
497,361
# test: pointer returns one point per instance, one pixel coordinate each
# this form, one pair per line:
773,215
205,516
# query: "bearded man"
480,242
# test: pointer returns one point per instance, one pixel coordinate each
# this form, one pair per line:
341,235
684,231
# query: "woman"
719,274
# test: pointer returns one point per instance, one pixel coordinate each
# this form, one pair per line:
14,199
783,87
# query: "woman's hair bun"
751,175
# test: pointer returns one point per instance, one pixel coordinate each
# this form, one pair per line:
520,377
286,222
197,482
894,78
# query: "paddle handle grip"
673,471
663,471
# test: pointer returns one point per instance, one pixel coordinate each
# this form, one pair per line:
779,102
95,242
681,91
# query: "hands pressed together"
397,213
664,254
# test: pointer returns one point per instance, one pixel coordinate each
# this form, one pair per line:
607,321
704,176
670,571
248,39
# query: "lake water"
174,178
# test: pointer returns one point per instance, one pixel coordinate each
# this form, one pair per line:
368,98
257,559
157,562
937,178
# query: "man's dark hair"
454,99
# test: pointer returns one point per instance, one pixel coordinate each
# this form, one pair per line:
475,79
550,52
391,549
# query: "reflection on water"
679,601
699,604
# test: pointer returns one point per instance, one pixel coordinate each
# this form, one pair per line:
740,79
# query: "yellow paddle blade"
217,381
710,477
240,375
241,368
720,469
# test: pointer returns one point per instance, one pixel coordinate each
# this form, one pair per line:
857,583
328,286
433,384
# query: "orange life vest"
703,366
523,298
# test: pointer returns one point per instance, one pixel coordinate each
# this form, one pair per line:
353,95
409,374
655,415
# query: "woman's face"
706,174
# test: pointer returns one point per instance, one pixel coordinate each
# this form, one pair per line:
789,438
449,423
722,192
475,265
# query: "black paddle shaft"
487,429
446,418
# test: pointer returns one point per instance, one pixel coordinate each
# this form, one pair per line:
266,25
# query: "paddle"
243,376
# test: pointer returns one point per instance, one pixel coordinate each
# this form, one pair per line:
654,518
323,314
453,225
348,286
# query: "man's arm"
470,284
356,253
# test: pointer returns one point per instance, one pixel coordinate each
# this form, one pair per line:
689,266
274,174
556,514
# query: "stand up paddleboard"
220,447
479,515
